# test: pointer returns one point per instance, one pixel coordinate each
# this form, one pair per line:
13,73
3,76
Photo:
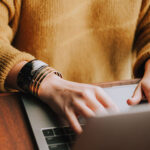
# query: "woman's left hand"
143,88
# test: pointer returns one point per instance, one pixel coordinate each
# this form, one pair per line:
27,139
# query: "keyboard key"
58,131
57,139
48,132
59,147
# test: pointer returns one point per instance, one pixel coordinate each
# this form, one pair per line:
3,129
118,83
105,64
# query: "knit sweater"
87,41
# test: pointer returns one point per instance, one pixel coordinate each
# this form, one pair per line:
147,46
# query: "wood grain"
14,133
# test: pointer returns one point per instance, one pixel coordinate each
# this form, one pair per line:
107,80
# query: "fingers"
137,96
93,103
83,108
105,99
70,114
88,104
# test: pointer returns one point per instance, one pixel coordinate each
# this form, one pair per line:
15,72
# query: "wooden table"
15,133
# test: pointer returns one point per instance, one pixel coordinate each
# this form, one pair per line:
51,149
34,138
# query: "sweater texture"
88,41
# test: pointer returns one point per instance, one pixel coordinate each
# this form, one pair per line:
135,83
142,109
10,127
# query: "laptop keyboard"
59,138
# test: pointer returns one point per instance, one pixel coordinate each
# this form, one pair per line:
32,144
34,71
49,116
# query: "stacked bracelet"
34,86
32,74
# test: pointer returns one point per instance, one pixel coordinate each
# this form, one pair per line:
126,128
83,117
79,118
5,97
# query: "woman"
88,41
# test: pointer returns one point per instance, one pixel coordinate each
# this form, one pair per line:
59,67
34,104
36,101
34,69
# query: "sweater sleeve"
9,56
141,47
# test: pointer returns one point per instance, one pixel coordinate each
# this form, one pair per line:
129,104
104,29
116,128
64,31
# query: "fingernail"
128,101
131,101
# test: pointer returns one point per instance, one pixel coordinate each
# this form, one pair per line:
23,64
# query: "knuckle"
85,92
79,93
97,89
74,101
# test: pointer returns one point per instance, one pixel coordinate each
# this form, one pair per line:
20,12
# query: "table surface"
15,132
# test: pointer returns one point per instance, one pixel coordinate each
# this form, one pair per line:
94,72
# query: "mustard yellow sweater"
86,40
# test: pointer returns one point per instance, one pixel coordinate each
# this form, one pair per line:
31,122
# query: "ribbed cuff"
8,60
143,56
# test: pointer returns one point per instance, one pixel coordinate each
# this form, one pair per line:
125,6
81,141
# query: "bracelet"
36,84
32,74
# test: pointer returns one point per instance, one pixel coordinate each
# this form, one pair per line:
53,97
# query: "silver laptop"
51,133
125,131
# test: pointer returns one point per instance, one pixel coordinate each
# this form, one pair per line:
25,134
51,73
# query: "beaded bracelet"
32,74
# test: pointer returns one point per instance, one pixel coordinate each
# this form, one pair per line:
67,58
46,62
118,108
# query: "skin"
70,99
143,88
66,98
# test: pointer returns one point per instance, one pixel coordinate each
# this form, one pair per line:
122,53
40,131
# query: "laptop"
53,133
124,131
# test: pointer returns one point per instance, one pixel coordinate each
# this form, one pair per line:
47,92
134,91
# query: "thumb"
137,96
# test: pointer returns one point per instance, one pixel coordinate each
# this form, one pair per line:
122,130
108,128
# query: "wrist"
48,85
32,75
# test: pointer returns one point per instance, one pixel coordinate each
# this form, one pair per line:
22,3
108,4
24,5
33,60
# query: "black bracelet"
28,73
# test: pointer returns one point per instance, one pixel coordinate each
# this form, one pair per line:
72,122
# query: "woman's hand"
143,88
67,98
71,99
